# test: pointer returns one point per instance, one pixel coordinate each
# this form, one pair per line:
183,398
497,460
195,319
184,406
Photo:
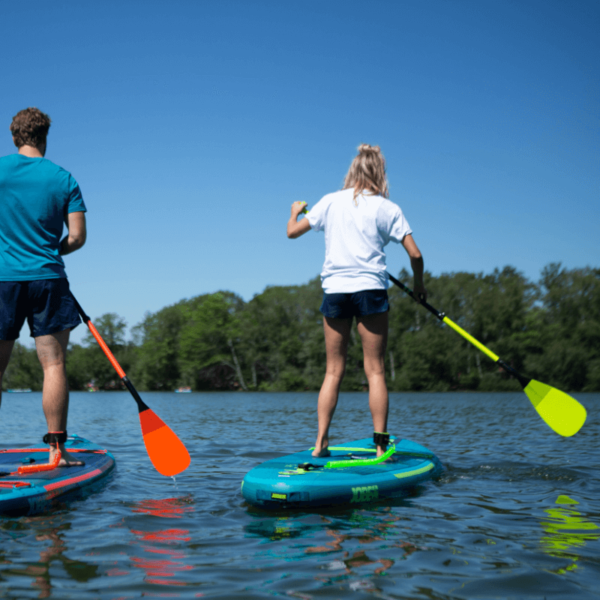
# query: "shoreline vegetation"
548,330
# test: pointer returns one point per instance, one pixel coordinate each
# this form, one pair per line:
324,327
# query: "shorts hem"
54,330
356,304
2,339
375,312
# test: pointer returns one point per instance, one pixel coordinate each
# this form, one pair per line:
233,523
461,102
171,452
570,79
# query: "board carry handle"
361,462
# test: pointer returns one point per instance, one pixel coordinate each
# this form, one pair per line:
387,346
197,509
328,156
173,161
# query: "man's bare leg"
5,350
373,331
52,351
337,334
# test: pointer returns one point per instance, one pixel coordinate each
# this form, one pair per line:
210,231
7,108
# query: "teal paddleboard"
30,493
351,475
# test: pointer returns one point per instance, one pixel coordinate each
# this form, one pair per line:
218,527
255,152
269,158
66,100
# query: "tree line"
548,330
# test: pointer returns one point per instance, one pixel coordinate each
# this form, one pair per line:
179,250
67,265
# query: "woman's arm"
297,228
417,264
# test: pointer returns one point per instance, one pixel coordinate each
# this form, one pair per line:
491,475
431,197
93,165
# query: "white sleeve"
316,215
392,223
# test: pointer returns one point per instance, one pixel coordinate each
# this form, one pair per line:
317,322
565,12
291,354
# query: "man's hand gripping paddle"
166,451
561,413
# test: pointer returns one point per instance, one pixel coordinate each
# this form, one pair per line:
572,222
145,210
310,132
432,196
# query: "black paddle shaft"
439,315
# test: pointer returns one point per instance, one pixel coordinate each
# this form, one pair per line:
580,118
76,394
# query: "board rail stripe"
72,480
23,450
415,471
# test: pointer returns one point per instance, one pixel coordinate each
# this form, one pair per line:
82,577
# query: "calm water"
491,527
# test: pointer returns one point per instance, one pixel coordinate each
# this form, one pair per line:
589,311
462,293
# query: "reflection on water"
363,544
50,533
169,508
567,532
163,569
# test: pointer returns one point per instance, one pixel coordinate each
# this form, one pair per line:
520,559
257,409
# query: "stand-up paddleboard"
350,475
29,493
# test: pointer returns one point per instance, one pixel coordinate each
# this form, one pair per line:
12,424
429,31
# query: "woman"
358,221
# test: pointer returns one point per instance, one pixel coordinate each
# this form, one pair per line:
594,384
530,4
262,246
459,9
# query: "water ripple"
515,514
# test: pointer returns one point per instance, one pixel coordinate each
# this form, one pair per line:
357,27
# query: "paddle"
561,413
166,451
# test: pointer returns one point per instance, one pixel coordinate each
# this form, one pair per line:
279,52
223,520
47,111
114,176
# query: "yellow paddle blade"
562,413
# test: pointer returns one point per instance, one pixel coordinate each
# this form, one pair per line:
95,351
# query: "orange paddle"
166,451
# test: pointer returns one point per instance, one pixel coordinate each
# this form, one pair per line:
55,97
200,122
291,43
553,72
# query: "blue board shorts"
356,304
47,305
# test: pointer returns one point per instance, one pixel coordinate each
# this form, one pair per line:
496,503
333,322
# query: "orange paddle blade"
166,451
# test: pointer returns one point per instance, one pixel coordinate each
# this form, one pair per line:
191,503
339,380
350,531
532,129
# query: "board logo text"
365,493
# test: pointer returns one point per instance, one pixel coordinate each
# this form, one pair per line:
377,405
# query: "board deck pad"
33,493
284,483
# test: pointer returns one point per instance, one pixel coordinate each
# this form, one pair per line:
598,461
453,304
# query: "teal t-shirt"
35,198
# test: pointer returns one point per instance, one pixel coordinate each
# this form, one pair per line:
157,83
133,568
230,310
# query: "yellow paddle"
561,412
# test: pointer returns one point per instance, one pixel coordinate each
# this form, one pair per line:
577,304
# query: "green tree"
24,370
208,355
567,353
282,337
549,330
158,338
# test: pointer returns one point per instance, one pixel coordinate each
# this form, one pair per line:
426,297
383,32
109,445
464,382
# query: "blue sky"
192,126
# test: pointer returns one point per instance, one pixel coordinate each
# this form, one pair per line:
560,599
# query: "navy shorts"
356,304
47,305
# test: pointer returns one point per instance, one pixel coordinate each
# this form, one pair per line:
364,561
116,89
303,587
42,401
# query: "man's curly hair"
30,127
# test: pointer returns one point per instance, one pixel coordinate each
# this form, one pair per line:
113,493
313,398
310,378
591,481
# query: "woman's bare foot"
323,453
321,449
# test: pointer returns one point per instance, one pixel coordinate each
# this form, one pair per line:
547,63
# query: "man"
36,198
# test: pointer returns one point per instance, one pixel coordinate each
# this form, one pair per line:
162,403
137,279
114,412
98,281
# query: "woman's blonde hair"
367,172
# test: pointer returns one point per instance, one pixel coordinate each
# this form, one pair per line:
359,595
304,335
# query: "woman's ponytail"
367,172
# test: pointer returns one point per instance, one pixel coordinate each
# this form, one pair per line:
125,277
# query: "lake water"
516,513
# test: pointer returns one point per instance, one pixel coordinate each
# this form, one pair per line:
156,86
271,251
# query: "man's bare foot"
66,459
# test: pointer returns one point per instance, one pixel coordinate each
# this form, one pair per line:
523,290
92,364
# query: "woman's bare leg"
337,334
373,331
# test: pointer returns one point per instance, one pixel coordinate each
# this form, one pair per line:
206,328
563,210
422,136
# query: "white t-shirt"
354,239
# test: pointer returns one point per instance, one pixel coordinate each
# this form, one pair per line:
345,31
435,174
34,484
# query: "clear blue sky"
191,126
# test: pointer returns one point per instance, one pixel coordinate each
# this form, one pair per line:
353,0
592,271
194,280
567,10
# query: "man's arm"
297,228
417,264
76,237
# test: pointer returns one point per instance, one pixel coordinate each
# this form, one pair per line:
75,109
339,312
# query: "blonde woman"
359,221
